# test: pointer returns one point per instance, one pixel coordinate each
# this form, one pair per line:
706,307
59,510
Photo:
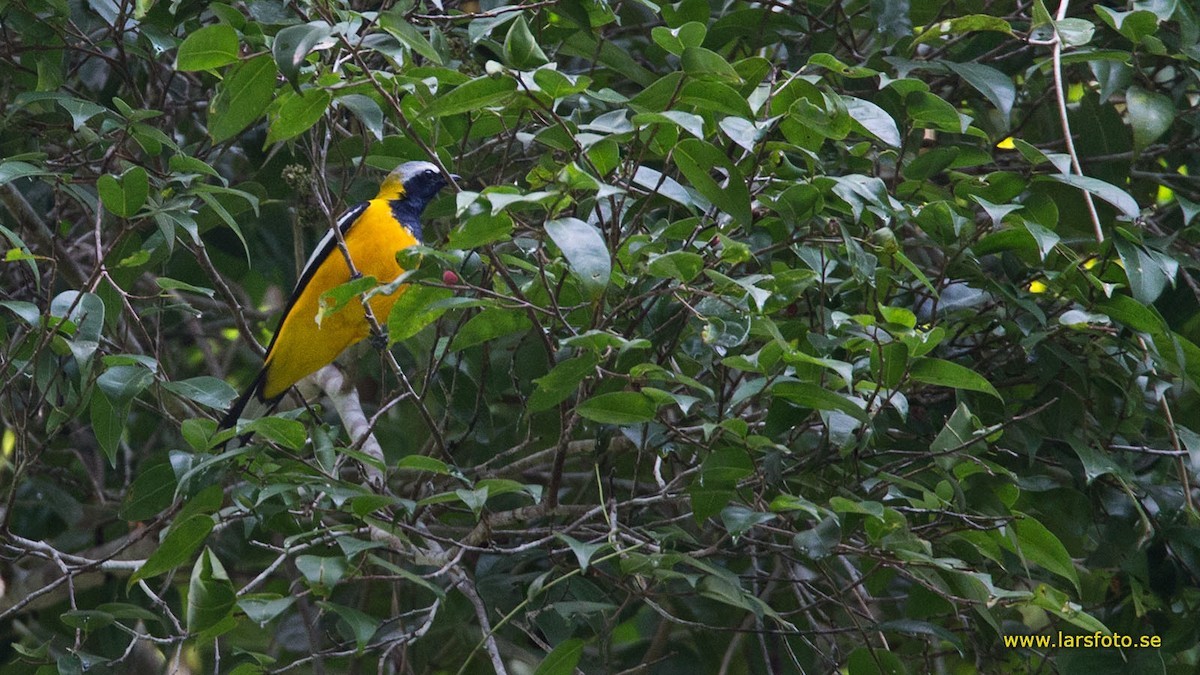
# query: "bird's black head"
410,187
418,182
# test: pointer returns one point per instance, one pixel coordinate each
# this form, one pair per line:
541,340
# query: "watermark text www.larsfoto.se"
1097,640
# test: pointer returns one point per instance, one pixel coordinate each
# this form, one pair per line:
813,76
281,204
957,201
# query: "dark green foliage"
759,338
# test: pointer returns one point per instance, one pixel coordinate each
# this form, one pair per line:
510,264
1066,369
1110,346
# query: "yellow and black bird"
374,232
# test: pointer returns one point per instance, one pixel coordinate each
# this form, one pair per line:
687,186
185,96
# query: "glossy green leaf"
1150,114
949,374
241,98
293,44
361,626
562,659
997,87
322,571
261,608
185,536
1036,544
477,94
680,265
562,381
208,48
521,48
417,307
211,596
696,159
1106,191
124,195
297,114
621,408
393,21
585,250
489,325
707,64
151,492
871,119
818,398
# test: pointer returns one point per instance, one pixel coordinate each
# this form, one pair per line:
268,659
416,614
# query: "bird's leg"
379,338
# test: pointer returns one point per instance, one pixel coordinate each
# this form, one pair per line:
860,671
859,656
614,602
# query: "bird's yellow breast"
301,346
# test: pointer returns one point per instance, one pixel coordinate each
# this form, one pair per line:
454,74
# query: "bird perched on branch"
374,232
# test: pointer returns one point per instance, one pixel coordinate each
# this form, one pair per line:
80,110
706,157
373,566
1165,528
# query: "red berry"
449,277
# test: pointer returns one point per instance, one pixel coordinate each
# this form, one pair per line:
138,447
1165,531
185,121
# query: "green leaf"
696,159
1148,272
891,362
739,520
1075,32
150,494
620,408
297,114
707,64
87,619
185,536
366,110
583,551
931,112
1059,604
123,196
481,229
562,381
715,97
819,541
477,94
874,661
210,593
473,499
562,659
675,40
288,433
208,48
1134,25
490,324
960,432
362,626
993,84
1110,193
107,421
337,298
818,398
963,24
835,65
713,487
416,308
949,374
263,607
322,572
1034,543
680,265
393,22
242,97
1136,315
205,390
292,45
521,49
870,119
585,250
423,464
1151,114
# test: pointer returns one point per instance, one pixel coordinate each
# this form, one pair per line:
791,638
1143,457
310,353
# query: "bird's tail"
254,391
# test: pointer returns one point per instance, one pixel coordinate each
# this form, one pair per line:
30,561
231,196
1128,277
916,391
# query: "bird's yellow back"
301,345
374,232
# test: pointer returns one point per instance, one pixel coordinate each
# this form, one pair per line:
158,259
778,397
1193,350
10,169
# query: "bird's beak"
455,179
